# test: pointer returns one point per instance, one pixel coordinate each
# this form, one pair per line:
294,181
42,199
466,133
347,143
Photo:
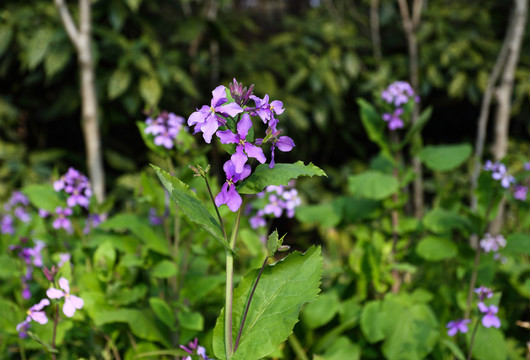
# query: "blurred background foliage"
316,56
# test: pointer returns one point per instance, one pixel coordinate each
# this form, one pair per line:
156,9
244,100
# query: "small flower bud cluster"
279,199
232,123
194,348
397,94
15,209
165,128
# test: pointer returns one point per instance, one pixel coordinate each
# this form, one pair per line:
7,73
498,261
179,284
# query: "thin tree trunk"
374,30
81,39
410,24
504,95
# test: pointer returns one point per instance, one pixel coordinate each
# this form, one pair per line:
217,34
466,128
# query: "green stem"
472,341
297,347
229,294
55,321
216,210
248,304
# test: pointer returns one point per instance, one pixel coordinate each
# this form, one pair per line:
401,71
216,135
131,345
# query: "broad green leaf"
190,205
37,46
489,344
326,215
191,320
433,248
150,90
43,197
164,269
489,194
373,185
342,349
281,174
371,322
119,82
140,228
282,290
442,221
517,244
373,124
141,323
133,4
445,157
163,312
273,243
321,311
356,208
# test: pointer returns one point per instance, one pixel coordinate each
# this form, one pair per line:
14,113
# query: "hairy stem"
248,304
229,293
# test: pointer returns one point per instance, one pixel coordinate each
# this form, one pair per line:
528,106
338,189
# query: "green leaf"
489,344
185,82
150,90
454,349
119,82
373,123
321,311
191,320
370,322
190,205
423,119
342,349
43,197
164,269
163,312
281,174
9,267
37,46
6,34
517,244
433,248
283,288
325,215
442,221
356,208
273,243
56,59
445,157
133,4
373,185
141,323
140,228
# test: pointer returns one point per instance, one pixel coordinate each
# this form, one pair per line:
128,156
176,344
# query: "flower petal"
231,109
239,159
68,307
255,152
76,301
63,284
227,137
234,199
285,143
244,125
53,293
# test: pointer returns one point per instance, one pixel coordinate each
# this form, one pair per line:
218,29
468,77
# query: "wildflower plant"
234,117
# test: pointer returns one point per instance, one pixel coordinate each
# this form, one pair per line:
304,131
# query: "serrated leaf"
273,243
150,90
190,205
43,197
282,290
445,157
281,174
119,82
373,185
163,312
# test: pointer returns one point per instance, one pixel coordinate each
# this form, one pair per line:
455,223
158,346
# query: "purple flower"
398,93
23,328
266,111
35,312
36,253
492,243
275,206
165,128
192,347
257,220
456,326
6,225
527,166
26,293
500,173
283,143
43,213
243,148
484,293
18,198
490,319
22,214
63,259
239,93
62,222
520,192
77,185
292,200
92,221
208,119
154,219
394,120
71,302
229,194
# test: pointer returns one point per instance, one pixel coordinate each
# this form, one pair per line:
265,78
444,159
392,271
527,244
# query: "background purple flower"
489,319
398,93
62,221
457,326
520,192
394,120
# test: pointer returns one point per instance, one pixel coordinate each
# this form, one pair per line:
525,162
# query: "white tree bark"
81,38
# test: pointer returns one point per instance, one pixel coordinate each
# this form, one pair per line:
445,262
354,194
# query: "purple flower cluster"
165,128
499,173
279,199
397,94
194,348
219,118
15,209
489,319
77,186
36,313
520,192
31,257
492,243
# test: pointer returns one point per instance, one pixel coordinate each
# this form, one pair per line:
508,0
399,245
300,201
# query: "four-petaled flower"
71,302
62,222
266,111
456,326
34,313
229,194
520,192
394,121
500,173
490,319
208,118
243,148
484,293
